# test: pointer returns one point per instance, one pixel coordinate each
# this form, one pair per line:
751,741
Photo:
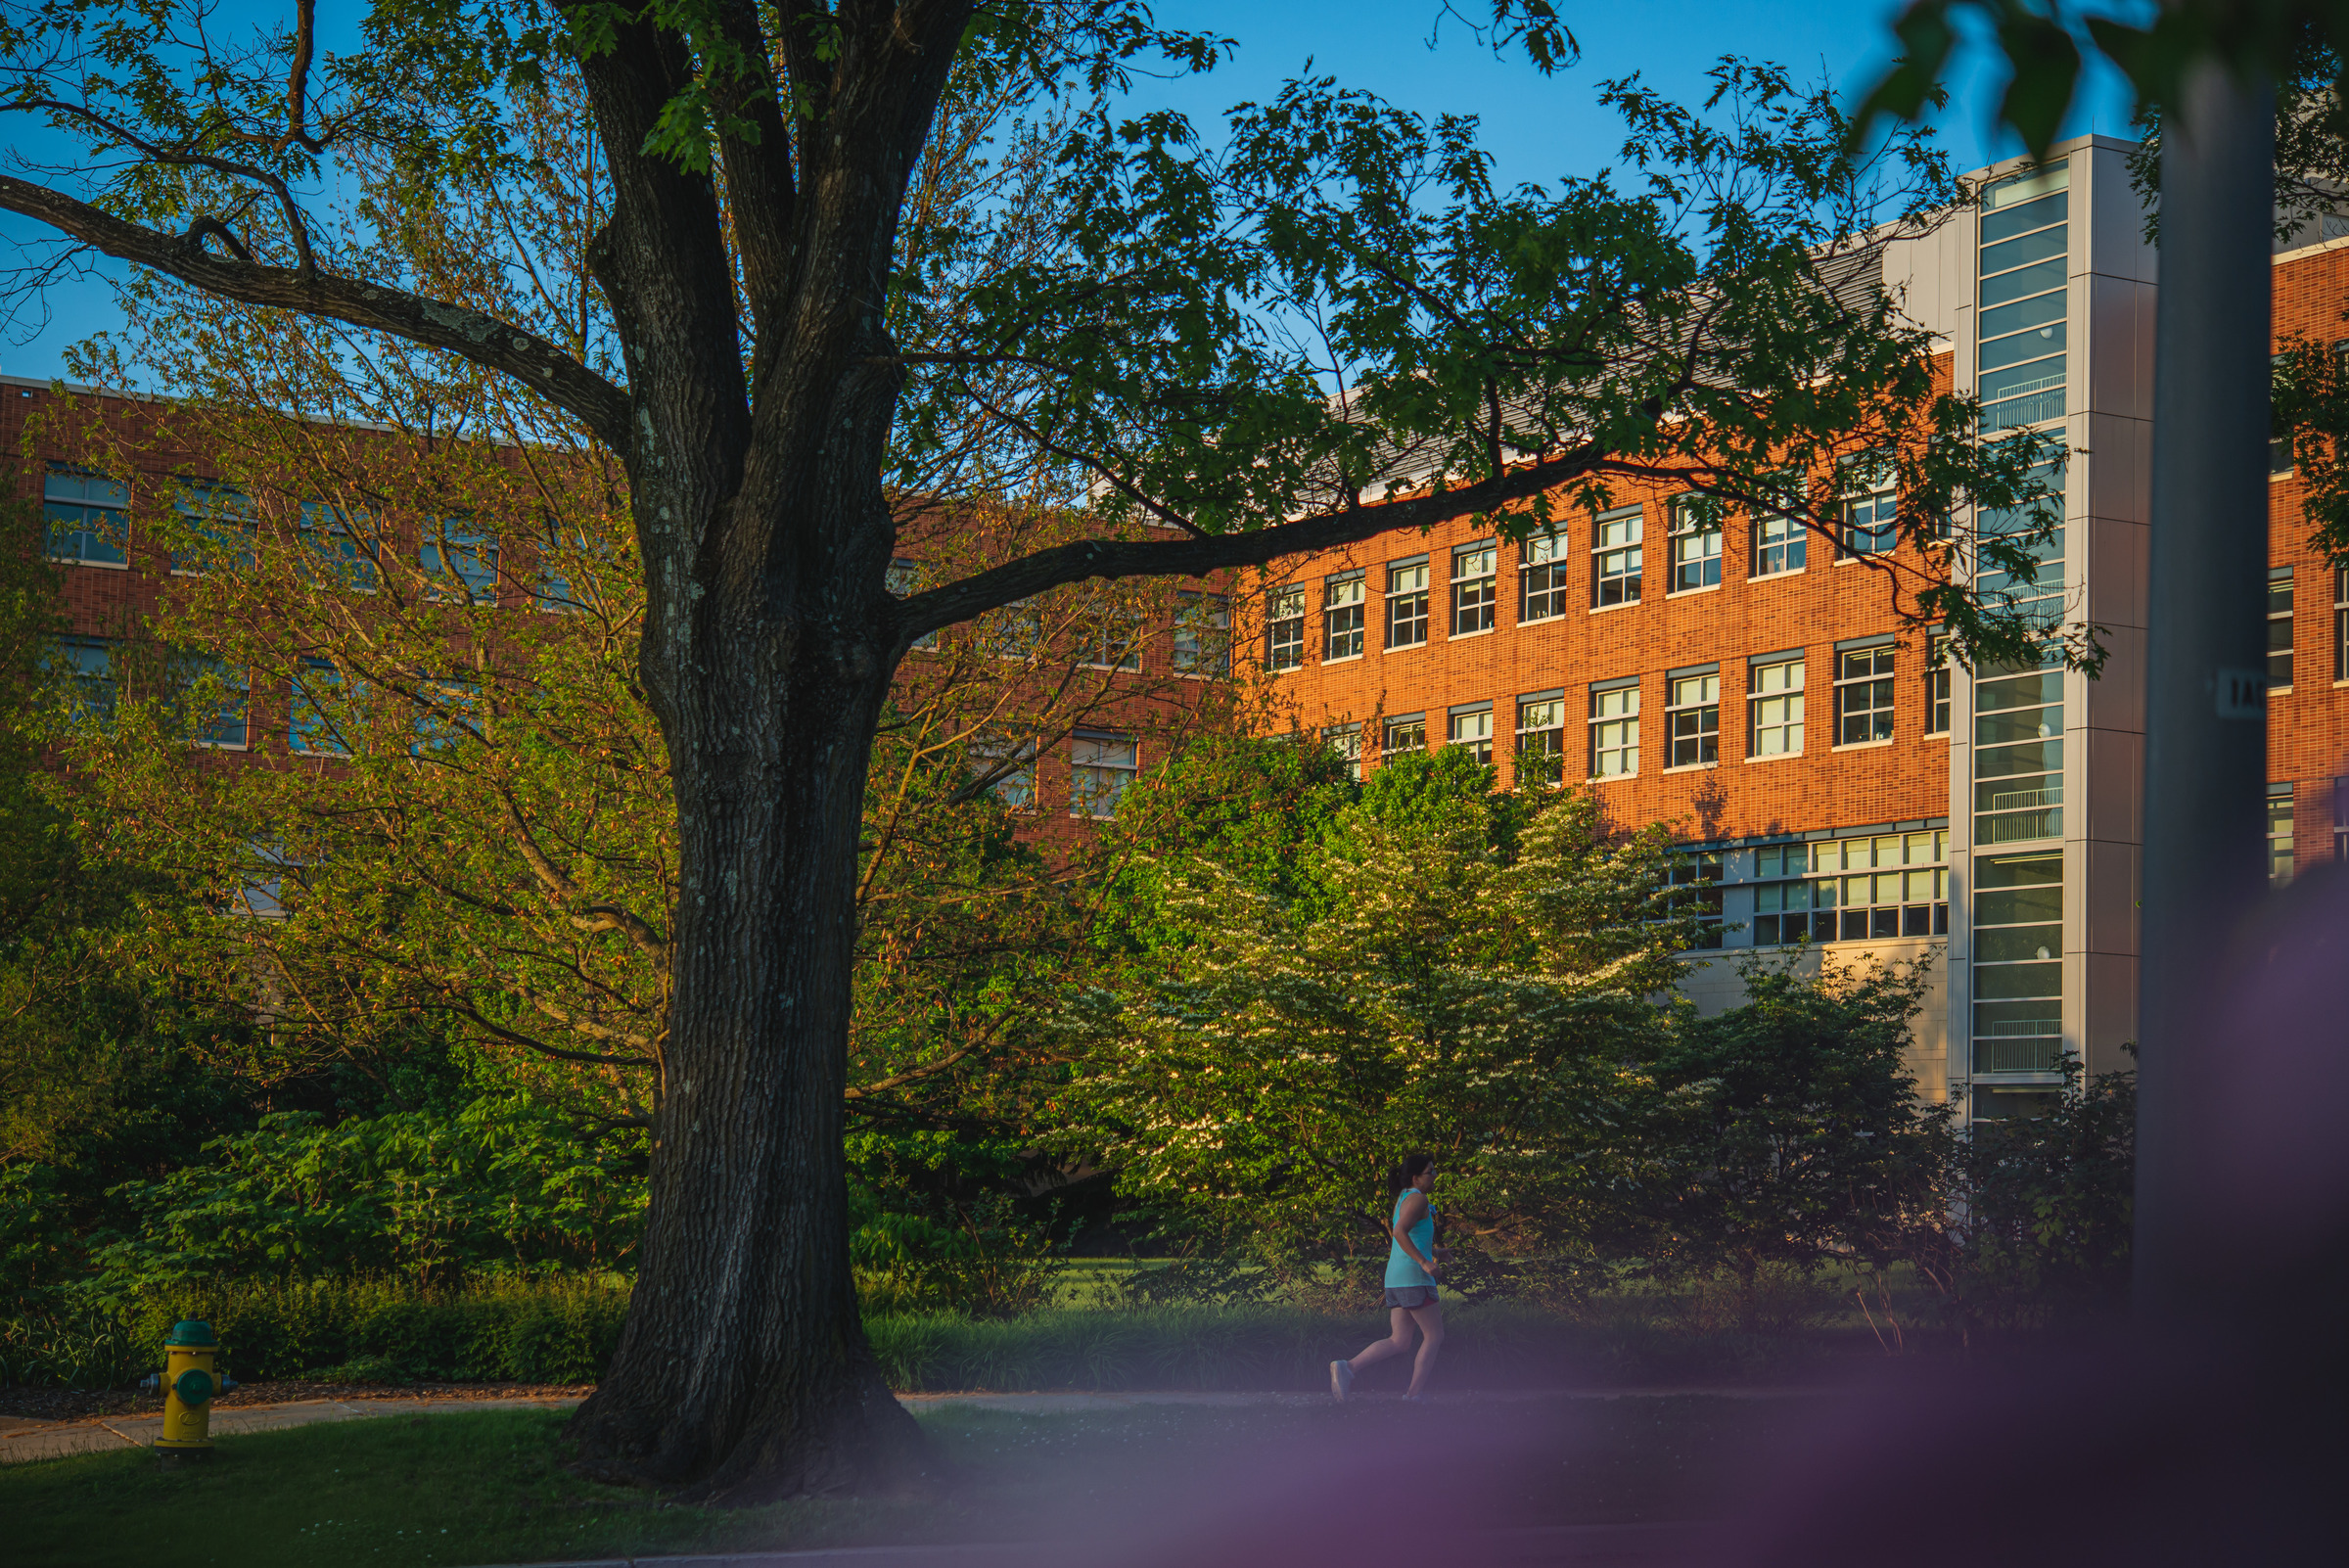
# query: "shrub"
365,1330
977,1257
503,1185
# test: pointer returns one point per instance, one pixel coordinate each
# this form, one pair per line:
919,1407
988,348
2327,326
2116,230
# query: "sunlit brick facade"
1756,688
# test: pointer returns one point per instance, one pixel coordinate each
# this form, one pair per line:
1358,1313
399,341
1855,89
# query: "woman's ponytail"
1413,1166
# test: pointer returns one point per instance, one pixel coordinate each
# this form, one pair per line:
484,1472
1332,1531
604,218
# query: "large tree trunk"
743,1369
769,639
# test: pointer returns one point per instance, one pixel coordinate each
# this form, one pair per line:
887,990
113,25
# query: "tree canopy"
1320,323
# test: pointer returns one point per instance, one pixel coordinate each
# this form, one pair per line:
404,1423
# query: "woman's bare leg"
1396,1343
1430,1320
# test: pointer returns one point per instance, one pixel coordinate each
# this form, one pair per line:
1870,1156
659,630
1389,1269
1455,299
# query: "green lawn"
487,1487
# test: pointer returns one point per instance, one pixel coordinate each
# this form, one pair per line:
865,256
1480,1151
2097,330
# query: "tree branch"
485,341
955,602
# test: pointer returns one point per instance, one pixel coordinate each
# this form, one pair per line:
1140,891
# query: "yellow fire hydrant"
190,1380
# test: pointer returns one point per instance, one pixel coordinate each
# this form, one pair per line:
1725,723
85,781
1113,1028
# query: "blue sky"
1537,127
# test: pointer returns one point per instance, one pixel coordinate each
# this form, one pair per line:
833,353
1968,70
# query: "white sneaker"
1341,1380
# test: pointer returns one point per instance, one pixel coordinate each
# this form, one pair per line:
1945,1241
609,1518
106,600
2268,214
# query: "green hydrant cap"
192,1333
193,1387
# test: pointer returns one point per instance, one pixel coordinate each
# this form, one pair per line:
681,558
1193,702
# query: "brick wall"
2308,726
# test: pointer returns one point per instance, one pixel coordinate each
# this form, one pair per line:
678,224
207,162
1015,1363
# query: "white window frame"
1284,627
1345,615
1202,640
1408,601
2279,579
1774,706
1102,767
1703,740
1542,556
1614,729
1542,733
1471,725
1880,680
89,494
1695,543
1617,556
1475,589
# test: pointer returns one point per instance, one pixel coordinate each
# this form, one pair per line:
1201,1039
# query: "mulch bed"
74,1404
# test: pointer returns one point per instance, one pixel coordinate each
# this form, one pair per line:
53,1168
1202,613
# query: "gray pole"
2205,718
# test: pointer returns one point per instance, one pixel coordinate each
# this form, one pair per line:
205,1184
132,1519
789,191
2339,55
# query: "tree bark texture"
743,1371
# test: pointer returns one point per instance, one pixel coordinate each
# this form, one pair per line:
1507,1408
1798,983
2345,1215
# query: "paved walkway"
1587,1546
22,1438
25,1438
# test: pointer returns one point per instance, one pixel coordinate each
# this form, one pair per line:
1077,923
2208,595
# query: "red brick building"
1755,688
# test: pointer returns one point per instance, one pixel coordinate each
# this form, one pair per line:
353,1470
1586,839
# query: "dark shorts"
1411,1296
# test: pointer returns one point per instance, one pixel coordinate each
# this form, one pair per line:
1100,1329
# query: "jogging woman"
1412,1263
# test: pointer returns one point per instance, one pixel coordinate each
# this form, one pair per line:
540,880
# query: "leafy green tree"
1227,346
1456,980
1778,1125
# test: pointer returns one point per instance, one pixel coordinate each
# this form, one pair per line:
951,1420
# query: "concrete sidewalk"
1590,1545
23,1438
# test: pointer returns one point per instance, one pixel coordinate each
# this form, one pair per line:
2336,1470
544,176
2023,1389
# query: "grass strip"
447,1489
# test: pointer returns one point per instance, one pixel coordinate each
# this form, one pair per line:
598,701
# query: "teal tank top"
1401,1268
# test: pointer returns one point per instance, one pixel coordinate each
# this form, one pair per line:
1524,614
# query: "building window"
1695,882
1615,553
1692,720
339,554
1864,690
2019,326
447,710
2018,755
218,523
1406,603
2018,963
2340,819
1284,628
906,578
2279,628
218,694
1781,546
1937,689
1404,732
459,562
1005,768
318,711
1542,578
1347,741
1852,890
1202,635
1472,727
92,683
1541,738
1695,543
1015,631
1615,730
2340,624
1774,705
1870,509
1342,617
87,517
1101,769
1113,638
1475,587
2279,833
